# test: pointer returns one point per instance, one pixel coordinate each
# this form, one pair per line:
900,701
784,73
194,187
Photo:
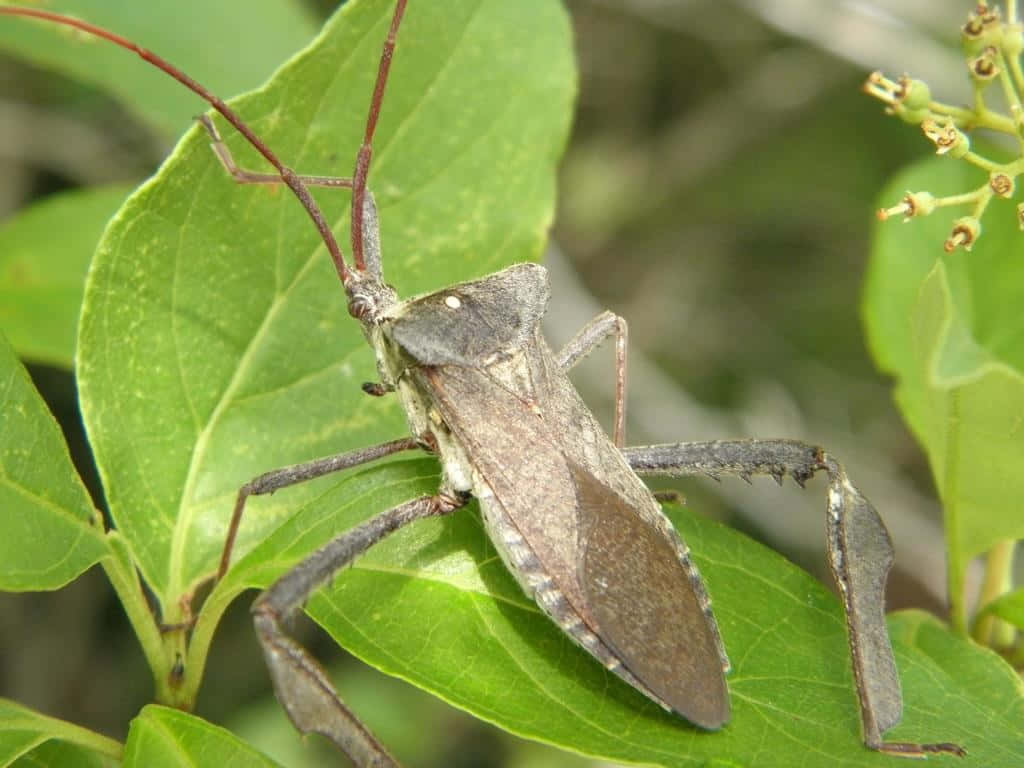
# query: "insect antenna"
362,169
288,176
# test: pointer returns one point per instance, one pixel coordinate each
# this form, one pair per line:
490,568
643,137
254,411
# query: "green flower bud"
914,94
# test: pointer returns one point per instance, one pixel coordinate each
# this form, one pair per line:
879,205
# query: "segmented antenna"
366,149
287,175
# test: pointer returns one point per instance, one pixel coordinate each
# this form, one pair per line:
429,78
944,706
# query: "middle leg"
277,479
584,342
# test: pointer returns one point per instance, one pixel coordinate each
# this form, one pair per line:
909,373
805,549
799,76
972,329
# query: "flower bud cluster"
992,49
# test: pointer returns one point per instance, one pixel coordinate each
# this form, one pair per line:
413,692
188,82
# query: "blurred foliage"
949,329
718,193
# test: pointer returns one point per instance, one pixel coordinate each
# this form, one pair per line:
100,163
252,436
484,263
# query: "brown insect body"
579,530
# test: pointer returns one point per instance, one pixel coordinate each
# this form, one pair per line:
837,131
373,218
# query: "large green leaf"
433,604
240,45
44,254
28,738
160,737
950,329
215,342
49,532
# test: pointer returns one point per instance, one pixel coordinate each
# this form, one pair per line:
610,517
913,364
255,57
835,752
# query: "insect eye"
359,307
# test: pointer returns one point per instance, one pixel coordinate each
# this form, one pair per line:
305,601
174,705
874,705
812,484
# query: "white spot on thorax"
452,302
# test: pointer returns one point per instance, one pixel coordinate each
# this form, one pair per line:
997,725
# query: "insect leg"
860,555
300,683
243,176
584,342
370,227
298,473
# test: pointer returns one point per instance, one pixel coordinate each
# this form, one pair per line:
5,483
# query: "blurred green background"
718,192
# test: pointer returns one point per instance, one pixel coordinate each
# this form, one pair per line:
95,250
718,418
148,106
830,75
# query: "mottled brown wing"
515,451
647,605
623,576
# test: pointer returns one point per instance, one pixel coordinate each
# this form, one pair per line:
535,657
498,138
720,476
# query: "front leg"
284,477
300,683
368,250
860,555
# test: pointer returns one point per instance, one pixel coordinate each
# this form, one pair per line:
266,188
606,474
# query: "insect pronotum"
562,502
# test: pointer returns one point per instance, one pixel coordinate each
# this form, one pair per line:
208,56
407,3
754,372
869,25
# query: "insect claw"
801,476
376,388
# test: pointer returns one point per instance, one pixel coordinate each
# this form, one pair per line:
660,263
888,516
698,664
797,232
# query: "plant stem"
981,117
123,578
954,562
1016,74
998,567
202,634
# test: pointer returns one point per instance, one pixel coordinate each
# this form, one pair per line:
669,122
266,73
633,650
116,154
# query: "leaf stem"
202,635
123,577
954,561
998,568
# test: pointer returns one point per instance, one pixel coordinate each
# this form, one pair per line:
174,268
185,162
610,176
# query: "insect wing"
623,574
647,606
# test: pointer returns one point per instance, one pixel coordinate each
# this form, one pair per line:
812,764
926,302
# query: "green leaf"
215,342
987,700
434,605
948,327
240,47
161,737
1008,607
49,532
56,754
29,738
44,254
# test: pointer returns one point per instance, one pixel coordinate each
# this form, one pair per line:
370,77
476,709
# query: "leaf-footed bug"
572,521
